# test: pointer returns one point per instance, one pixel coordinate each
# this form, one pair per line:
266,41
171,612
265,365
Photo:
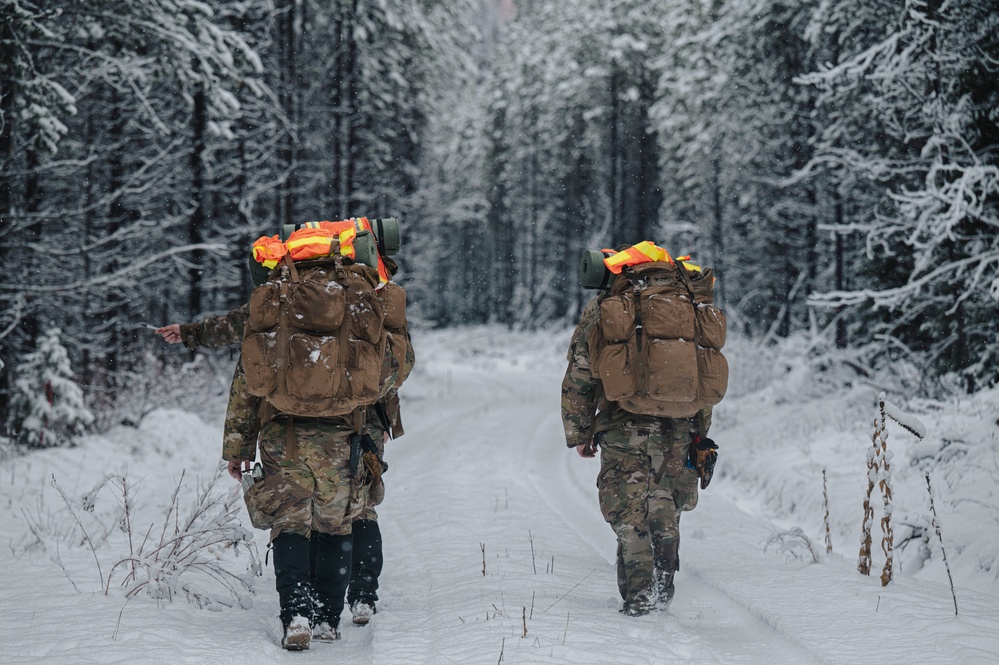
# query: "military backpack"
656,347
318,327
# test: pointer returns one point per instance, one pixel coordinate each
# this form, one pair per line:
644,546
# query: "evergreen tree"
47,404
928,83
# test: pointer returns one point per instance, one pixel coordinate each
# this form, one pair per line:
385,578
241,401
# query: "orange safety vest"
644,252
313,241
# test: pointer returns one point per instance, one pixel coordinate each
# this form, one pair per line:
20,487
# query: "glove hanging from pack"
703,455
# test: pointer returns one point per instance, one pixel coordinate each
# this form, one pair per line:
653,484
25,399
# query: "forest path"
495,551
484,463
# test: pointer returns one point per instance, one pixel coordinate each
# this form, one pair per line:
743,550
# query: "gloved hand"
703,455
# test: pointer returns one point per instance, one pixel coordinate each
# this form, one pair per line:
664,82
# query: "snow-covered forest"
835,163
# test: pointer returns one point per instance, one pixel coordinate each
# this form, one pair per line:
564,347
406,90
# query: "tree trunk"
196,223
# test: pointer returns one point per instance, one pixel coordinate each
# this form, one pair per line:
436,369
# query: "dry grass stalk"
936,527
887,494
873,471
825,517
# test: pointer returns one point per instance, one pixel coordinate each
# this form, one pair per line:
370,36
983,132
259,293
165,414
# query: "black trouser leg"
667,560
332,574
291,573
313,553
367,562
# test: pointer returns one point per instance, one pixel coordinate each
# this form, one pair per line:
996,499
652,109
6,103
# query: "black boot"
367,566
332,574
294,587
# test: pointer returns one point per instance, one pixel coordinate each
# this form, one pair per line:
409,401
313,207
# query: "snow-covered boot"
637,607
297,634
324,632
362,612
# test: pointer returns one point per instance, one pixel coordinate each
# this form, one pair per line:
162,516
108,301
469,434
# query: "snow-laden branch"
905,420
895,296
130,269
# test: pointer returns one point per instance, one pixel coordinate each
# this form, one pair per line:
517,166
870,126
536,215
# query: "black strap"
380,235
383,418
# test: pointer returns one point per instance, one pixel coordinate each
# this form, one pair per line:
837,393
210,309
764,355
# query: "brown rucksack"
657,345
315,339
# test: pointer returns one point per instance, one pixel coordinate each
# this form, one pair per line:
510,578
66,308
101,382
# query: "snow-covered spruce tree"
34,109
927,82
47,405
570,91
733,128
451,200
155,88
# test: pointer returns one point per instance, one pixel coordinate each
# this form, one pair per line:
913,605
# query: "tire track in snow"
488,464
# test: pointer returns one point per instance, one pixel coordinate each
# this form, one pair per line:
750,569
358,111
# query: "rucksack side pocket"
713,376
617,371
393,300
259,363
710,326
363,371
264,307
617,318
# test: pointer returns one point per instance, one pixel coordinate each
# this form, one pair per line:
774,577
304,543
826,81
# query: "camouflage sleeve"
395,370
242,420
217,331
579,388
389,406
397,363
410,361
704,419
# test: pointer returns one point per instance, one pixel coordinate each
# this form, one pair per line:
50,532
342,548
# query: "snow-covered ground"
494,545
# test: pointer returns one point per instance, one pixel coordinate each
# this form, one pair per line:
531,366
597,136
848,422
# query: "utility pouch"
703,455
250,477
363,449
262,502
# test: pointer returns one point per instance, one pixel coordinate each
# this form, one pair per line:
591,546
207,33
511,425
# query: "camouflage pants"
645,515
308,488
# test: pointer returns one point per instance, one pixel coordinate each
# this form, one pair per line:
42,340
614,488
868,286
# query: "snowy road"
500,475
495,552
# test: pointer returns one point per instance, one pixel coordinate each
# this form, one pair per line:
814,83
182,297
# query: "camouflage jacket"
584,410
217,331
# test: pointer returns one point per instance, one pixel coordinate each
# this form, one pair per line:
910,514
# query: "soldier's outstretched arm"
213,332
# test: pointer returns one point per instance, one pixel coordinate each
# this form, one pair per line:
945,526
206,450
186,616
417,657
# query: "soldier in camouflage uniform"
644,482
240,442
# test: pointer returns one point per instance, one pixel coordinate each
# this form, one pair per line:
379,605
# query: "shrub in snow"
47,406
193,555
795,543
